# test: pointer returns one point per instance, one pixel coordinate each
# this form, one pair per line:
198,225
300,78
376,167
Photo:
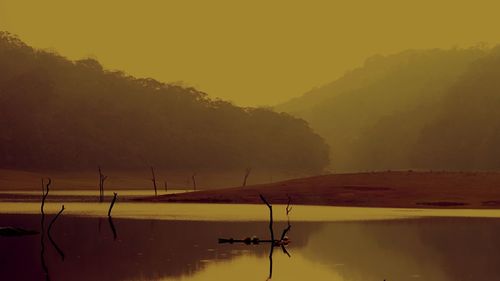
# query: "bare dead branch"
286,230
45,193
270,216
59,251
283,248
154,181
271,262
112,203
54,219
288,207
247,173
193,178
44,197
102,178
112,226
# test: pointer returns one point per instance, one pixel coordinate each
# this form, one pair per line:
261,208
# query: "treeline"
465,135
62,114
429,109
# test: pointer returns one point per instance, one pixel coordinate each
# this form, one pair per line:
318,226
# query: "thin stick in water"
270,216
154,180
112,226
59,251
112,203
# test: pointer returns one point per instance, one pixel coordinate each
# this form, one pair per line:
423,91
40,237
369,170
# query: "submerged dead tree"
102,178
110,219
247,173
270,216
282,242
193,178
283,239
166,186
272,235
45,193
287,210
153,179
112,203
59,251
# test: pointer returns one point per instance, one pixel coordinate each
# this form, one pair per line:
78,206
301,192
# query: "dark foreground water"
417,249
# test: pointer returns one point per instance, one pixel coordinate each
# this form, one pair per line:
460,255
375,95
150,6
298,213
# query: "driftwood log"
11,231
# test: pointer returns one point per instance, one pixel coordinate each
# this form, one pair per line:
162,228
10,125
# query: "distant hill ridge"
423,109
62,114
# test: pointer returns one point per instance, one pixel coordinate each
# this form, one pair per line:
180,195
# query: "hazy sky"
250,52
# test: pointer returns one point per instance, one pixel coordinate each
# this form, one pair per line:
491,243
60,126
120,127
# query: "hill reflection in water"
425,249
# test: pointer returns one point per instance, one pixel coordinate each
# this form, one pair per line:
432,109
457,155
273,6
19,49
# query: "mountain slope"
373,115
61,114
465,135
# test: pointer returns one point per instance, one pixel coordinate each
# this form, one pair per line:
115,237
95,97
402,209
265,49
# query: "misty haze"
219,140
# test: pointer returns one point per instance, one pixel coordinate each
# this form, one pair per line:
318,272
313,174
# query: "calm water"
179,242
161,249
235,212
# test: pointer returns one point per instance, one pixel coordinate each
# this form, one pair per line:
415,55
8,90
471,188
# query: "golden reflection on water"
236,212
253,268
434,249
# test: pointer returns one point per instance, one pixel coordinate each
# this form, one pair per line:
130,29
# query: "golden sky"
258,52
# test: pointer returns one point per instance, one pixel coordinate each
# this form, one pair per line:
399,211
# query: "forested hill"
380,116
62,114
465,134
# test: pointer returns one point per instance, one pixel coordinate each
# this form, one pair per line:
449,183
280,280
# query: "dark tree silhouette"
78,108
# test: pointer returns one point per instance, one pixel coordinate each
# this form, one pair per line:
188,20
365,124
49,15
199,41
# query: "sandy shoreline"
420,190
479,190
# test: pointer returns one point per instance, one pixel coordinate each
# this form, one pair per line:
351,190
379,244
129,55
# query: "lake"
180,242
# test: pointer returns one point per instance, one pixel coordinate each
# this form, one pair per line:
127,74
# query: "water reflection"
251,268
237,212
406,250
112,226
42,249
282,242
52,241
45,193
